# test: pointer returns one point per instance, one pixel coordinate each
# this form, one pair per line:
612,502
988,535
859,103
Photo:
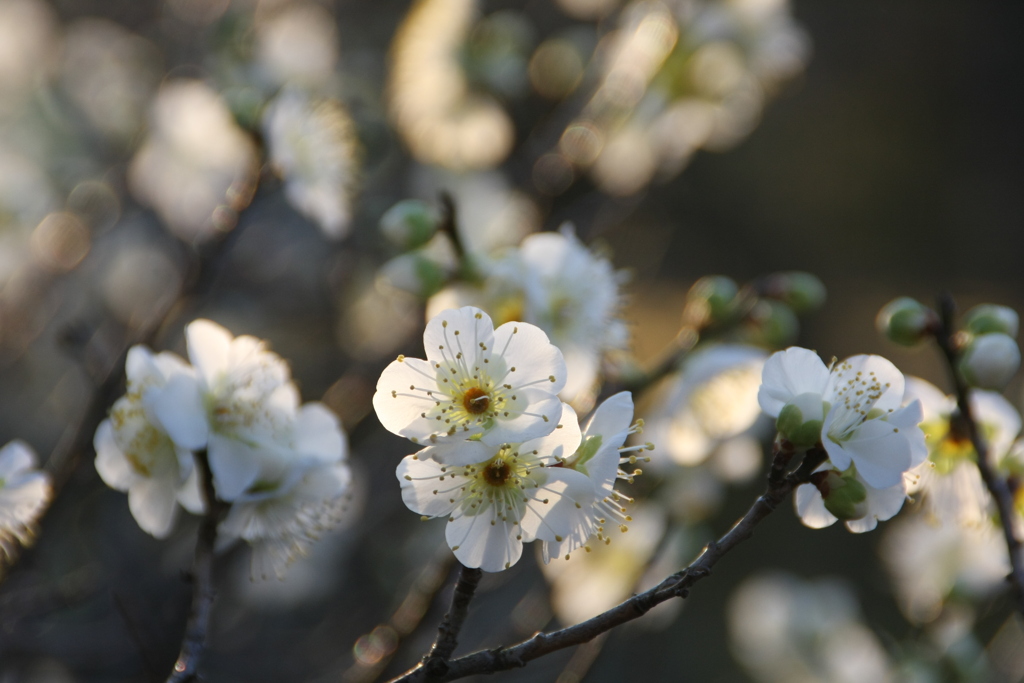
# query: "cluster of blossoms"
854,411
280,465
506,461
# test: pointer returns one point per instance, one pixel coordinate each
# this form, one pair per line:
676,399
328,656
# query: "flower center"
497,473
476,401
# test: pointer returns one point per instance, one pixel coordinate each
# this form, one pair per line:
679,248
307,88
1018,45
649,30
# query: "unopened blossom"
499,386
25,492
949,482
498,497
135,453
600,457
313,146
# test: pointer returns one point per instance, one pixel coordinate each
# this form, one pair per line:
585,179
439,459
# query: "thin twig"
203,591
997,486
677,585
435,663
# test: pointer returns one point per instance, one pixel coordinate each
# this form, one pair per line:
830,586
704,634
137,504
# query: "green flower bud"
988,318
800,420
844,496
801,291
711,299
413,273
771,324
990,361
410,223
905,321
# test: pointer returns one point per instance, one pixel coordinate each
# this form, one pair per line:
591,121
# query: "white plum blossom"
712,400
499,386
134,451
599,457
313,146
24,494
497,497
554,281
868,435
949,482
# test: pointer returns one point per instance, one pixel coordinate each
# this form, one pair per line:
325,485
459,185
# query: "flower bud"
413,273
844,496
410,223
801,291
771,324
905,321
990,361
988,318
800,420
711,300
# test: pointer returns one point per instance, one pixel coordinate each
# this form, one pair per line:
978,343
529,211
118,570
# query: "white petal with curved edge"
140,366
533,414
526,348
787,374
934,403
178,406
881,452
811,508
882,504
428,487
474,327
209,348
457,453
234,465
561,443
908,419
549,510
477,543
111,463
612,418
190,496
153,504
401,409
318,434
992,410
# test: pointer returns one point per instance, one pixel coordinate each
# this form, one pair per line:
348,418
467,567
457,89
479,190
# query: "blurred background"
162,160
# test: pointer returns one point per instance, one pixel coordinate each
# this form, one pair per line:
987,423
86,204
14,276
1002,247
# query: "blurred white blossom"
297,43
25,492
783,629
313,145
196,167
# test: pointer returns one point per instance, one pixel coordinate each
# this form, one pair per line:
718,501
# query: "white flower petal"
428,487
872,375
560,443
111,463
550,510
318,434
474,327
811,508
997,414
459,453
16,457
880,450
788,374
534,358
533,414
882,504
613,417
401,401
209,348
934,403
234,465
154,506
478,543
178,406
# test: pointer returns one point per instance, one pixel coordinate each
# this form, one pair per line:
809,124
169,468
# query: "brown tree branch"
945,336
677,585
435,663
203,591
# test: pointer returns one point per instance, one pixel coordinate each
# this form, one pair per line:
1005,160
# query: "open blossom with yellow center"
498,497
600,457
499,386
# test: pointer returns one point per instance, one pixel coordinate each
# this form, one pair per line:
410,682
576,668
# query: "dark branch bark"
203,591
997,485
677,585
435,663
